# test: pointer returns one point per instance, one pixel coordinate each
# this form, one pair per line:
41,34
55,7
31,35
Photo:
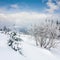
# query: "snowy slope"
30,51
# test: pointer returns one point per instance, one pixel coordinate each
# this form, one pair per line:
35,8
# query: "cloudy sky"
24,12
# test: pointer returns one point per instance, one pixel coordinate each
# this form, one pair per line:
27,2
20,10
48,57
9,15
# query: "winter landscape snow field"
30,51
29,29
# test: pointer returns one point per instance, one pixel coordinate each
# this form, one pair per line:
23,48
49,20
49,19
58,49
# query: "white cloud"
15,6
58,3
23,18
52,6
26,18
10,8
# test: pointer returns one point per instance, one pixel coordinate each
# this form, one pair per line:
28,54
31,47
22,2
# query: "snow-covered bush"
15,42
45,35
5,29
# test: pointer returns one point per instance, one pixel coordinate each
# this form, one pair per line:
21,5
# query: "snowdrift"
30,51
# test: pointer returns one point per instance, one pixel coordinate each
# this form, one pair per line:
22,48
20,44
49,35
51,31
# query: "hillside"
30,51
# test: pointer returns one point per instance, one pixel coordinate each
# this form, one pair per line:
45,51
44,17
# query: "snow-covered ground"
30,51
